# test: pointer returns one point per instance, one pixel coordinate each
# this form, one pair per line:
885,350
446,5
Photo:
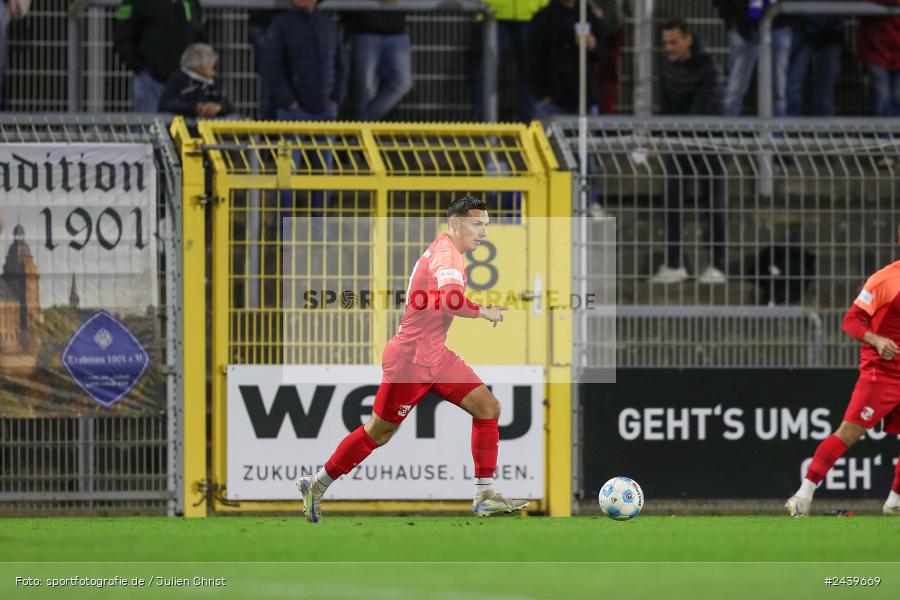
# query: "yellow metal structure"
273,184
193,305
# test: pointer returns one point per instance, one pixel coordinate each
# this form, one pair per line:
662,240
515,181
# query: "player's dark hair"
676,23
462,205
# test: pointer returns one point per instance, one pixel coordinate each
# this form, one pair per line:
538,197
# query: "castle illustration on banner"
20,310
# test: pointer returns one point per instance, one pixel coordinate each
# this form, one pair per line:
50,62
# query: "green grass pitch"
453,558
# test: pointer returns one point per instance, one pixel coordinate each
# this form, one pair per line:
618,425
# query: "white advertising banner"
285,421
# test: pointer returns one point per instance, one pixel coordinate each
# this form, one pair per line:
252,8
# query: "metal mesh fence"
116,464
795,215
445,45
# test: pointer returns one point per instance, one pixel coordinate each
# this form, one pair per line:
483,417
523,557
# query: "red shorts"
404,384
875,397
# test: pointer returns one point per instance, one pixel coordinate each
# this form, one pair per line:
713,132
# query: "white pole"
643,57
582,173
583,31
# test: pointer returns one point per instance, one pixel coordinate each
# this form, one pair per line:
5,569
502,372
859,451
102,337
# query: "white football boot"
494,503
312,498
798,507
892,510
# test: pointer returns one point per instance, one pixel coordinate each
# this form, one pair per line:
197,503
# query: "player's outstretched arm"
453,301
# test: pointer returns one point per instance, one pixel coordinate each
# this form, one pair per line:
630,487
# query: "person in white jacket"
12,10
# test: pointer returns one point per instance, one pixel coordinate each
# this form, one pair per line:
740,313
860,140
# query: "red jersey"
880,299
423,328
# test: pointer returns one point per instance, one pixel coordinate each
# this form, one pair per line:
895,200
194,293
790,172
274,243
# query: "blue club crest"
105,359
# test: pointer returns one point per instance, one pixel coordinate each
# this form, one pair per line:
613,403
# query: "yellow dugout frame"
381,158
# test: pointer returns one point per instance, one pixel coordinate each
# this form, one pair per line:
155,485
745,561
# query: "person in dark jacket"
817,41
150,37
690,84
381,56
302,65
690,81
741,19
192,91
554,40
878,47
258,22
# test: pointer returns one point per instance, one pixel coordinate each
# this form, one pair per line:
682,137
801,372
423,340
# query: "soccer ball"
621,498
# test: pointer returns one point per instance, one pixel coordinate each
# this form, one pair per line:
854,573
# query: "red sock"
896,486
352,450
826,455
485,442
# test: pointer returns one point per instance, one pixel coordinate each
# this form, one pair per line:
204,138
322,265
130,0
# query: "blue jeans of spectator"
146,93
743,55
885,91
551,109
514,36
826,62
256,35
382,73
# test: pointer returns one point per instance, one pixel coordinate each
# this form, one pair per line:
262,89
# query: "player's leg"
827,453
457,383
485,411
352,450
892,427
892,506
874,396
393,401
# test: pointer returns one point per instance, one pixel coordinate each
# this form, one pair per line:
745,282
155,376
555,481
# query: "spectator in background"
741,19
192,91
257,23
302,65
817,41
381,58
11,10
606,71
878,46
553,42
690,84
513,18
150,36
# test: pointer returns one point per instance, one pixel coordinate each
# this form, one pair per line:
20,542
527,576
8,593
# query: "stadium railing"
59,459
828,222
62,57
364,197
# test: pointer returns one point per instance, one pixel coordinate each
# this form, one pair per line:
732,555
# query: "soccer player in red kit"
874,320
416,361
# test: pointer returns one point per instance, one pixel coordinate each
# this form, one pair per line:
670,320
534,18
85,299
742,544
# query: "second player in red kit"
417,361
874,320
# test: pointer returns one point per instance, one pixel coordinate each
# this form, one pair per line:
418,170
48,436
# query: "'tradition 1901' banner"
284,422
79,297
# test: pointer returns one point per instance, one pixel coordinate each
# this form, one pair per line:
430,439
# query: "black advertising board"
727,433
